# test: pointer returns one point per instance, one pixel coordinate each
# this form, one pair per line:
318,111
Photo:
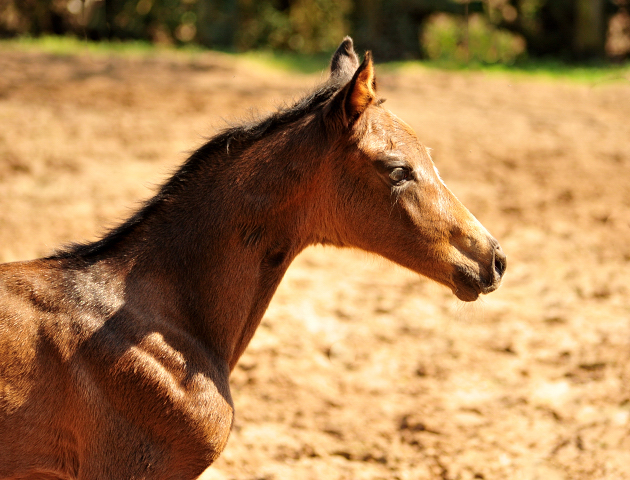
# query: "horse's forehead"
387,125
402,125
389,131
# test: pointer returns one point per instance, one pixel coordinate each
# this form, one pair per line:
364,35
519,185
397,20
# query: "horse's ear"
357,95
344,61
362,89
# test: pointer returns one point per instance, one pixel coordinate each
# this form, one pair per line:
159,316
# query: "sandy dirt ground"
360,369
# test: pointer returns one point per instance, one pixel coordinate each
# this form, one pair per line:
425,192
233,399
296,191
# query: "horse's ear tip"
344,61
346,45
368,62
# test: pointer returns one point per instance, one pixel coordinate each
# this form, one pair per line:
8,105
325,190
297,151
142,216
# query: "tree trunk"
589,37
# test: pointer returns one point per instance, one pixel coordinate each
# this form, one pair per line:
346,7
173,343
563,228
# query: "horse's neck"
215,267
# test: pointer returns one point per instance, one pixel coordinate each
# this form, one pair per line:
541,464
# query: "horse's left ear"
344,62
353,99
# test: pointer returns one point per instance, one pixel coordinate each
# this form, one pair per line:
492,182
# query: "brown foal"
115,356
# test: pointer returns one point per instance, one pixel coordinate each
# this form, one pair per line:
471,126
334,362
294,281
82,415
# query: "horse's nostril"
500,262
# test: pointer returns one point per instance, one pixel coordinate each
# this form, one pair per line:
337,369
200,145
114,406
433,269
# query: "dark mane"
238,135
255,130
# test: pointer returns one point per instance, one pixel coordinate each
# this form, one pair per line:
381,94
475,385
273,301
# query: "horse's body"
115,356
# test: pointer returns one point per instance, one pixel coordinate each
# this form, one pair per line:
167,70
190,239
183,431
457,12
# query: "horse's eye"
398,175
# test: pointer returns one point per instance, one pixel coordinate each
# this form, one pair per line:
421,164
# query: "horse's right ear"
356,96
344,61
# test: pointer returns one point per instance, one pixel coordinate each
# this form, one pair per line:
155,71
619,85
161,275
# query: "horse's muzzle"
470,284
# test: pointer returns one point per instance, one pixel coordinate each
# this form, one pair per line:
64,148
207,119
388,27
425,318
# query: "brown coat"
115,356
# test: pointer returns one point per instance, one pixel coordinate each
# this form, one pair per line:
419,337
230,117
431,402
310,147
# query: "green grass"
544,69
292,62
549,69
308,64
61,45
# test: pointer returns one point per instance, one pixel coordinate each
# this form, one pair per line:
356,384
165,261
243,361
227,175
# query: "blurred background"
459,31
361,370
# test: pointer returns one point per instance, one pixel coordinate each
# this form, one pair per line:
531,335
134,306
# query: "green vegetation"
558,70
457,31
447,38
308,64
545,69
288,61
68,45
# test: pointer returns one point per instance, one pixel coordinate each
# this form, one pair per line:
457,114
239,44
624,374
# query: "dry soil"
361,370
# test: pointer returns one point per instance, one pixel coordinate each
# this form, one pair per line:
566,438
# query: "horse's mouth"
467,286
466,293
